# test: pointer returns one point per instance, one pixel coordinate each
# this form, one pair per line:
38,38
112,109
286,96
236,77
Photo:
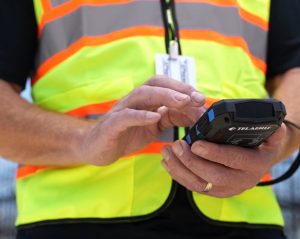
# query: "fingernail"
197,97
181,97
165,153
177,148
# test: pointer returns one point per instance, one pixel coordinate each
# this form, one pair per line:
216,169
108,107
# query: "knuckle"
141,90
127,111
188,162
113,116
170,94
189,88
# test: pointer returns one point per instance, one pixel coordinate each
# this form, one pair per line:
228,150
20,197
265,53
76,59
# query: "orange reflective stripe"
267,177
46,5
144,31
153,148
28,170
99,108
246,15
95,41
226,40
104,107
69,7
209,101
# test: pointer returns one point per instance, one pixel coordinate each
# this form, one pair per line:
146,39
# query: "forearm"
286,88
31,135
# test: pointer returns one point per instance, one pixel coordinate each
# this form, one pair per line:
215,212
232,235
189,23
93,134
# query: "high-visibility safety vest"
94,52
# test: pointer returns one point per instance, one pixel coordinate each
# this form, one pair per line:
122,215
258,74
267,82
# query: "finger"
231,156
275,139
186,116
193,182
166,82
151,97
180,173
238,157
126,118
212,172
174,117
164,122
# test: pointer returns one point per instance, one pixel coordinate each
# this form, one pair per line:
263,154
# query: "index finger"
231,156
166,82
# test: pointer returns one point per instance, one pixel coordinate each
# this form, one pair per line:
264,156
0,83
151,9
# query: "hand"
230,169
137,119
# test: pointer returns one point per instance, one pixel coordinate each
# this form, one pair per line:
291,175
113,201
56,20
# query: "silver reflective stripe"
224,20
167,136
93,116
96,21
56,3
100,20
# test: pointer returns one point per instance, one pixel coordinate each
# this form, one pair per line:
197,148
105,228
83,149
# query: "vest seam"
227,223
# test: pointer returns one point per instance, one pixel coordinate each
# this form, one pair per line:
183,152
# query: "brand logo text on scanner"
250,128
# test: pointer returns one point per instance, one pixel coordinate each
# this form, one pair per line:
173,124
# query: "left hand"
230,169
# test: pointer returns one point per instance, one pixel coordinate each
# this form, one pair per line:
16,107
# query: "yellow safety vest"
94,52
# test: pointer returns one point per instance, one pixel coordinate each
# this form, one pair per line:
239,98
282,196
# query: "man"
92,62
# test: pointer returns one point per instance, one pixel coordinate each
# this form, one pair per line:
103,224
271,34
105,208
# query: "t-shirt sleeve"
18,40
284,37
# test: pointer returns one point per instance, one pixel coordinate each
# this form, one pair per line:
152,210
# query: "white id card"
181,68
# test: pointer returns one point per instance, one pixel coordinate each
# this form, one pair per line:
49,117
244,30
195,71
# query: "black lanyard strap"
168,11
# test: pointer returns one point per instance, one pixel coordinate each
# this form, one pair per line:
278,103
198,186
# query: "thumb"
122,120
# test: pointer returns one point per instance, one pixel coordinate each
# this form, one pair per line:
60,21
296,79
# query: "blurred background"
288,194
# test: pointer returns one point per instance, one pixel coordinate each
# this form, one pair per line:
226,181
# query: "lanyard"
172,41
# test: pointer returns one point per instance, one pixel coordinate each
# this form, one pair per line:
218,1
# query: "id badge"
178,67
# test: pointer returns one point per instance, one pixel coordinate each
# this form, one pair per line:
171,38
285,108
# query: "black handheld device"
243,122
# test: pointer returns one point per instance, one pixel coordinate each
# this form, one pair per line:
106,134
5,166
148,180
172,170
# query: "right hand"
139,118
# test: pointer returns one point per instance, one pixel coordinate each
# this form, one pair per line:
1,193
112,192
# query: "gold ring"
208,187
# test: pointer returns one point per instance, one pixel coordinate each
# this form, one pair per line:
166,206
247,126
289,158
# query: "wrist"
82,142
